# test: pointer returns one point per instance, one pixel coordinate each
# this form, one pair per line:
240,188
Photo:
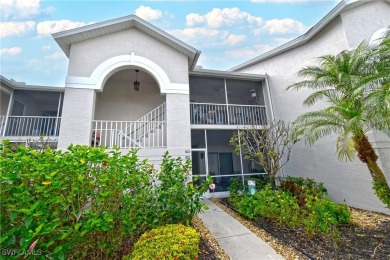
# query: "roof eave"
227,74
135,22
303,38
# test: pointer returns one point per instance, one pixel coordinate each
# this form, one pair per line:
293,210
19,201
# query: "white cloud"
15,28
193,19
200,34
22,9
147,13
48,27
282,26
56,56
46,47
249,52
11,51
217,18
234,39
279,1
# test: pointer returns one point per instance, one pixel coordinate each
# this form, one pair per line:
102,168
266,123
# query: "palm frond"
346,146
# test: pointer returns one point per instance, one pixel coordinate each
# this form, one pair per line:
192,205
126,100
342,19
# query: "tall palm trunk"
368,156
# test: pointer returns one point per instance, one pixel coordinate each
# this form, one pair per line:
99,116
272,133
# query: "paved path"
237,240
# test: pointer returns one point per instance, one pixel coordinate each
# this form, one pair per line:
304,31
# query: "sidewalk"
237,241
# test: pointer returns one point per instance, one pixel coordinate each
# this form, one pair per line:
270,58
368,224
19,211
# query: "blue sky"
227,32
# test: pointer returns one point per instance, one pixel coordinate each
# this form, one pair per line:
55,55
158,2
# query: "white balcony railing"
30,125
226,114
129,134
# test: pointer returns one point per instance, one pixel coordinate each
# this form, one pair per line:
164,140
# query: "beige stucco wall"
345,181
119,101
87,55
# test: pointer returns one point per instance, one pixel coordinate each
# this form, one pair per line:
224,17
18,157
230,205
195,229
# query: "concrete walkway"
237,241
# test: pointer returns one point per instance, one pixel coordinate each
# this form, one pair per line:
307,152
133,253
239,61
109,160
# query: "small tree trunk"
272,180
367,155
376,172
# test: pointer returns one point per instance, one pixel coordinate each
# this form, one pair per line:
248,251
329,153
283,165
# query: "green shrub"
279,205
173,198
72,202
298,202
301,188
86,201
238,191
323,215
168,242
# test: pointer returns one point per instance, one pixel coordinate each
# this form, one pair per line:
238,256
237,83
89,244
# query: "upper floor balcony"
227,114
223,100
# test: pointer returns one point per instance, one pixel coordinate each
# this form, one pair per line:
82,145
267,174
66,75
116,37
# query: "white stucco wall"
87,55
119,101
77,115
93,66
178,121
370,17
350,182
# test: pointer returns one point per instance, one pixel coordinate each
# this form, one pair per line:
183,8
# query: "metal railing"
157,114
226,114
30,126
129,134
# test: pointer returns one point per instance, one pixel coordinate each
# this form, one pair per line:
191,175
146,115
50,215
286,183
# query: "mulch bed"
366,237
208,248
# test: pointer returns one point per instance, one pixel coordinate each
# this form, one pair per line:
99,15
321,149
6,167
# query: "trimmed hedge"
174,241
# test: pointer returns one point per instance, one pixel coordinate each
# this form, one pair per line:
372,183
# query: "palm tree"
346,82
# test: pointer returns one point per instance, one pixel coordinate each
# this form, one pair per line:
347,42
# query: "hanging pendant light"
136,82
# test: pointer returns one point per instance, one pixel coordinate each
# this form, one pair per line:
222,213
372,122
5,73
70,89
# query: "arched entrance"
126,117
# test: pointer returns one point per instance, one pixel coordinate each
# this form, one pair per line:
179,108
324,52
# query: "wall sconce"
136,82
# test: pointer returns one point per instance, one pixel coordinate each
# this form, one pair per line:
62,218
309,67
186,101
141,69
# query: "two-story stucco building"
130,84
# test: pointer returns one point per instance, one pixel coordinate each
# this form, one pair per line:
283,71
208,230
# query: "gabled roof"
343,6
66,38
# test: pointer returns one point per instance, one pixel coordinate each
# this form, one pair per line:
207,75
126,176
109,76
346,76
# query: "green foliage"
302,187
86,201
323,215
174,199
167,242
279,205
270,146
382,191
356,86
298,202
237,190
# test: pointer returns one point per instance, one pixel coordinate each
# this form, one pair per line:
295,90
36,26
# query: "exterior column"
178,121
77,115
